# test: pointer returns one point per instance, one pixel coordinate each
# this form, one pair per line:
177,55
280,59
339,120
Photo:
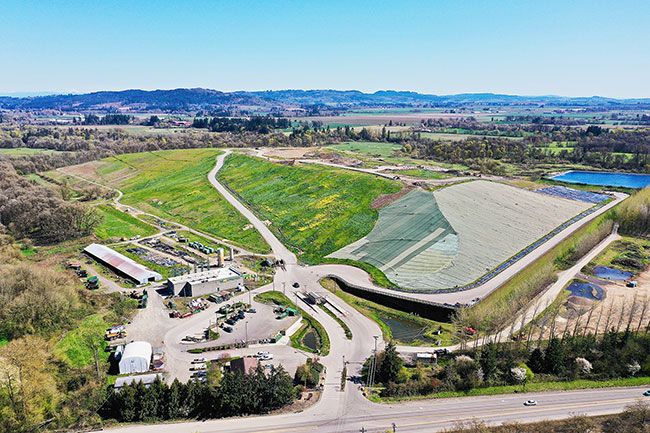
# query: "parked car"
647,393
227,329
530,403
199,360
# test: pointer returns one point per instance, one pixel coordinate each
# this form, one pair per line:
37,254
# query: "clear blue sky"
574,48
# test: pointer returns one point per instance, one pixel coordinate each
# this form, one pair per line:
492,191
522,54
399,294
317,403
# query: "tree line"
236,394
569,356
259,124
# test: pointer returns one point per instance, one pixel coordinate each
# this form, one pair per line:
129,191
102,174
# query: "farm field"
435,241
173,184
117,224
376,154
376,149
313,209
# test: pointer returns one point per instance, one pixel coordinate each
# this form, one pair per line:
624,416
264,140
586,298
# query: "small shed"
245,365
136,358
146,379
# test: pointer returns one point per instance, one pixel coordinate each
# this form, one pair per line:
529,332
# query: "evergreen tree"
390,366
554,357
488,360
536,360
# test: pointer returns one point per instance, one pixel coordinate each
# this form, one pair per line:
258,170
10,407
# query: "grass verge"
346,328
531,387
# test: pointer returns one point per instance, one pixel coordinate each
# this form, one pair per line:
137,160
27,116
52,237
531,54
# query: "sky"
540,47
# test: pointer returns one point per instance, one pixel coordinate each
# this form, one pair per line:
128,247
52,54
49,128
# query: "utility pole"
284,288
373,364
246,329
250,300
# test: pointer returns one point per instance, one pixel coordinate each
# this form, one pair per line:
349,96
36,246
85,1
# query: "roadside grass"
503,304
374,312
310,324
515,389
117,224
3,341
376,275
173,184
73,347
314,210
346,328
420,173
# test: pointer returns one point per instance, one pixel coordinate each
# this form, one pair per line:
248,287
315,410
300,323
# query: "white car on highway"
530,403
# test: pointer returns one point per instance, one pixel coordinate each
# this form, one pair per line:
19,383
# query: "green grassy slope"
313,209
117,224
173,184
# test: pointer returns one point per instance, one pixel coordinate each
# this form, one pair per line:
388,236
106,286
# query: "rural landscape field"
334,217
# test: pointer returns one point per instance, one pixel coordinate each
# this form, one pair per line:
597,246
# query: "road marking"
522,410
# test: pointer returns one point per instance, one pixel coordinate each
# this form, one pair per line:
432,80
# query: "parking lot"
252,327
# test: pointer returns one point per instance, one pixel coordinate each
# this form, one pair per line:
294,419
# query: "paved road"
417,416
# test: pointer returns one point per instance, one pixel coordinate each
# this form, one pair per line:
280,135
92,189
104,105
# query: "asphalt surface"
416,416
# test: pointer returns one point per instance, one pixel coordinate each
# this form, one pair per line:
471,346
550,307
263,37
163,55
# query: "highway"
416,416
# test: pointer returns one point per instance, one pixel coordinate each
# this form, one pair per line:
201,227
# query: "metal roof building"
146,379
122,264
136,358
205,283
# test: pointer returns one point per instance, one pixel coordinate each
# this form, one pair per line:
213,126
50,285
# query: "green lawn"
314,210
74,349
3,341
117,224
173,184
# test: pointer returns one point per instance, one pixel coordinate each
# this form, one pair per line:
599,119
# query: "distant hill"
184,100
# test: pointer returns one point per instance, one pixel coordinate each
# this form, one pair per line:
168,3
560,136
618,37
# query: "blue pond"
611,273
586,290
603,178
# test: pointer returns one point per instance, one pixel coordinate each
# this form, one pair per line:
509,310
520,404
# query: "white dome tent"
136,358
